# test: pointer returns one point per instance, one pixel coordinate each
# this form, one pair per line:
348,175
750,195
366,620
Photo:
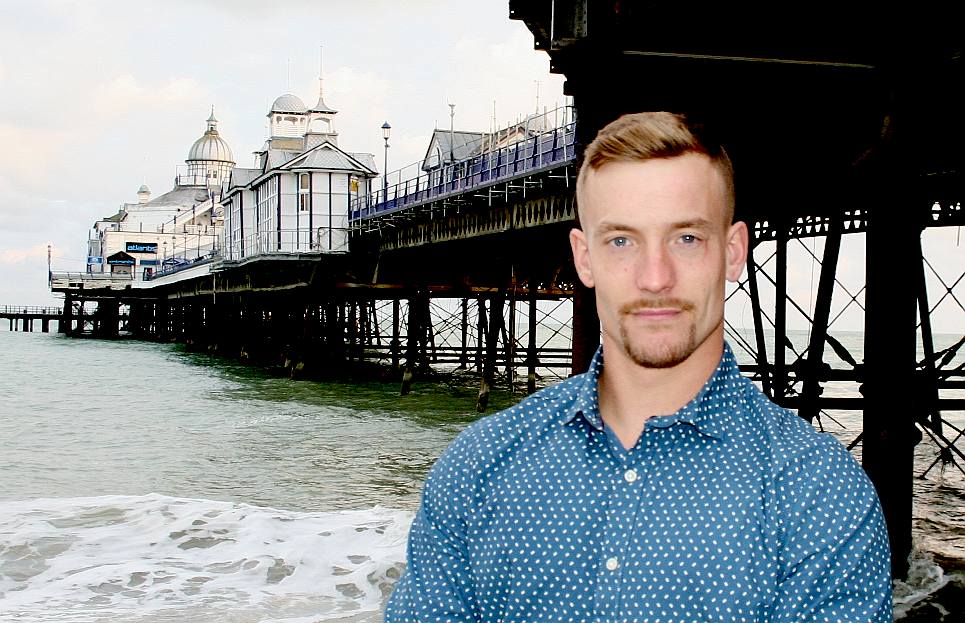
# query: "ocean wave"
158,558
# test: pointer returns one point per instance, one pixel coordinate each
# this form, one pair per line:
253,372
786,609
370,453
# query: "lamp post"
452,144
386,130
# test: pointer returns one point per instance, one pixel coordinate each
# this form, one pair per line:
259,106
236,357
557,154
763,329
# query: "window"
304,192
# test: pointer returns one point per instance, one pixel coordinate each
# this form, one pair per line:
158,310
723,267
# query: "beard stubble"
666,355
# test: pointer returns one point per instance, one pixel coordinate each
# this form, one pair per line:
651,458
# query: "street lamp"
386,130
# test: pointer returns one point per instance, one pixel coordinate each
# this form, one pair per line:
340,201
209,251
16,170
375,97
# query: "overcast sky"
97,97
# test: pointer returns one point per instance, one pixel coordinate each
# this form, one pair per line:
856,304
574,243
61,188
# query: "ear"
737,245
581,256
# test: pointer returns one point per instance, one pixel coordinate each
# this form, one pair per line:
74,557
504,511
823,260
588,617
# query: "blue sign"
141,247
95,260
149,262
121,262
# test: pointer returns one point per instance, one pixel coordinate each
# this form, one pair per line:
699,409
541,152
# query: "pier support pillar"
66,316
412,346
492,348
464,326
81,323
531,354
395,343
420,324
107,317
586,328
812,389
480,332
763,368
890,436
780,314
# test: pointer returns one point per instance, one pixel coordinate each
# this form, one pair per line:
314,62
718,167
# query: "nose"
654,270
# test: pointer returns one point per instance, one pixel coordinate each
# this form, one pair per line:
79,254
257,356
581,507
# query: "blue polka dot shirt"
731,510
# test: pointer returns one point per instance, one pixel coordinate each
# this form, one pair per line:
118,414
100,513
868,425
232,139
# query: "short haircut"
650,135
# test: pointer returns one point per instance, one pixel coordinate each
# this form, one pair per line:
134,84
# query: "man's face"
657,249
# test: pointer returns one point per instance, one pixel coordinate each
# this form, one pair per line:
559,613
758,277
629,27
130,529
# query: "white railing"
287,241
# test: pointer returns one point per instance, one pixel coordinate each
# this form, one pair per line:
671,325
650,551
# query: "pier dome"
289,103
209,159
211,146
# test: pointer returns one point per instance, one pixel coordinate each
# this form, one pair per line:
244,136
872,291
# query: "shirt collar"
706,412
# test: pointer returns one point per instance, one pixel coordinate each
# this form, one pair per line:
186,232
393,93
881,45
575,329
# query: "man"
661,485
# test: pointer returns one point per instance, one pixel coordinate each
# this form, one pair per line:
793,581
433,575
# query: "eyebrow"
696,223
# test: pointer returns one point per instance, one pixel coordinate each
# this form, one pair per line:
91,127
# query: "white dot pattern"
730,510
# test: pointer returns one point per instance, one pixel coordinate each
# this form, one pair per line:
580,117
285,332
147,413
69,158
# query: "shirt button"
630,475
612,564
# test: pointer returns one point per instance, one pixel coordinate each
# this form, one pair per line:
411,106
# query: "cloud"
122,93
28,153
18,256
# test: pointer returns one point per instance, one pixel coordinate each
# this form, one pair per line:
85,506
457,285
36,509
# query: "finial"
321,106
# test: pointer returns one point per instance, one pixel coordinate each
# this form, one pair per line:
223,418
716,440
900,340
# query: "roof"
241,177
321,106
328,156
367,159
459,144
116,218
210,147
181,196
278,157
288,103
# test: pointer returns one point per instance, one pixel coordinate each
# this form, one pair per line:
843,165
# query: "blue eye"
619,241
688,239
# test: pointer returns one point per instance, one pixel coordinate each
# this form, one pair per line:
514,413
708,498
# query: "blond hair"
650,135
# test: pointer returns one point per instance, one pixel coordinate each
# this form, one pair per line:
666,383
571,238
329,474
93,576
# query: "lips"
656,314
657,309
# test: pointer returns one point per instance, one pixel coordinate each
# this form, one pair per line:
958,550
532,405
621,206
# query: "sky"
98,97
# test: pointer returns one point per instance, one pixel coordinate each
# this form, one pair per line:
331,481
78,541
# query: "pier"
23,318
461,261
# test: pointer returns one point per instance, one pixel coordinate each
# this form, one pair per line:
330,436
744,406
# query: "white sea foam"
158,558
924,579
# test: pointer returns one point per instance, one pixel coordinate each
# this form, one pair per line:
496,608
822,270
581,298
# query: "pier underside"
843,116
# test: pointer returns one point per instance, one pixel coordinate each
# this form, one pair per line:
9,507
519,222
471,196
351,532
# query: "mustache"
658,303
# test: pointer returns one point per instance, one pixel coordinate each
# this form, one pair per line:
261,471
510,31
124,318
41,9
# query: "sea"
141,482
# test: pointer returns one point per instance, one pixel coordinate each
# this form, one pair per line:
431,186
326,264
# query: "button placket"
625,499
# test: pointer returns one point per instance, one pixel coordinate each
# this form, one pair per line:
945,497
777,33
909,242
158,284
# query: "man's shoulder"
488,439
793,449
534,412
784,432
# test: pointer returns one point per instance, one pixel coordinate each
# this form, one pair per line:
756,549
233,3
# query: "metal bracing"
808,372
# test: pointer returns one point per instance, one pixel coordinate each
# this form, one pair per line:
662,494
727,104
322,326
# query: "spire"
321,106
212,122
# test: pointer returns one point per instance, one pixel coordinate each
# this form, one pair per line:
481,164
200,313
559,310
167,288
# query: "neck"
631,394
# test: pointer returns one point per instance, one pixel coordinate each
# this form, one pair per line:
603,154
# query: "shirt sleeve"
436,585
835,562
